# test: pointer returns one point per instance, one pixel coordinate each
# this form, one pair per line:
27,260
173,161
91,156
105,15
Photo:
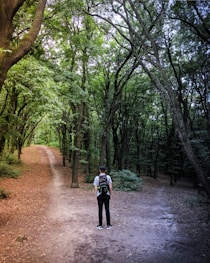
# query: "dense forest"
123,83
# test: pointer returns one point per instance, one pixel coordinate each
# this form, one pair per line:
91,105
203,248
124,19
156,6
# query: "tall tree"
115,70
142,25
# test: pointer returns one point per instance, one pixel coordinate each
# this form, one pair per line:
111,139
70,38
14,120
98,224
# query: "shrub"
7,171
11,159
89,178
54,144
125,180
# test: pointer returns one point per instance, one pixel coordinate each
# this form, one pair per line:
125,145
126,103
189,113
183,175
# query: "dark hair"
102,168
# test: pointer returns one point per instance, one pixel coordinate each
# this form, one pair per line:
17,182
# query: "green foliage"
79,63
54,144
25,101
4,194
11,159
125,180
7,171
89,179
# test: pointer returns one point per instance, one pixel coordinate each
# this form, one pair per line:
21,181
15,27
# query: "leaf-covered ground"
45,220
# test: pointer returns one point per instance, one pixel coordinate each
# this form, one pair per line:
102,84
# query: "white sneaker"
99,227
109,227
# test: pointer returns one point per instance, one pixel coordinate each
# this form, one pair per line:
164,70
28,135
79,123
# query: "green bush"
89,179
4,194
7,171
11,159
54,144
125,180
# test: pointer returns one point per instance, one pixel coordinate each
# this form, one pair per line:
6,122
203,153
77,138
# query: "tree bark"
77,148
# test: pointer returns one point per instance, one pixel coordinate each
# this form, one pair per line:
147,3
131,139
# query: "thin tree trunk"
76,149
103,149
75,169
108,151
64,144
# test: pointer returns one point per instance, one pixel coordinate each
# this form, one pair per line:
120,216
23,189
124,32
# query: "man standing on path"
103,190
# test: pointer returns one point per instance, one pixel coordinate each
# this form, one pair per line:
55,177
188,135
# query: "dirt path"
157,225
144,227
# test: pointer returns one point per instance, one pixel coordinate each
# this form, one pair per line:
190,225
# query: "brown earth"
45,220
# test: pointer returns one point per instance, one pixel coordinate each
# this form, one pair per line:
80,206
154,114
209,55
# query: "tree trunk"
138,152
77,148
87,139
201,176
208,113
63,131
75,168
103,149
108,151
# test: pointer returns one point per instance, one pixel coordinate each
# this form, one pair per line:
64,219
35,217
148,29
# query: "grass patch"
7,171
12,159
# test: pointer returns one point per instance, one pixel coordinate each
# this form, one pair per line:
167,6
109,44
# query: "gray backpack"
103,184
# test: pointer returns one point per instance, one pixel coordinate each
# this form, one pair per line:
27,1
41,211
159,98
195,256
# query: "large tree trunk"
10,55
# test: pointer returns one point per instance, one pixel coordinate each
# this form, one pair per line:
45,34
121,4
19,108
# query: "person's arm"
95,189
110,189
95,183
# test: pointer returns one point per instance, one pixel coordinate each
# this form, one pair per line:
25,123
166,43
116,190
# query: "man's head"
102,168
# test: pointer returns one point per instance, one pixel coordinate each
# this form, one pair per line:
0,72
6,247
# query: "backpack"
103,184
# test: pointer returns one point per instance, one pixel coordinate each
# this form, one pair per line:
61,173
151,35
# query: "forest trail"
150,226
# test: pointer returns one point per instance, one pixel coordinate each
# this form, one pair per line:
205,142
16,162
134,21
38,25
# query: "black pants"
103,199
